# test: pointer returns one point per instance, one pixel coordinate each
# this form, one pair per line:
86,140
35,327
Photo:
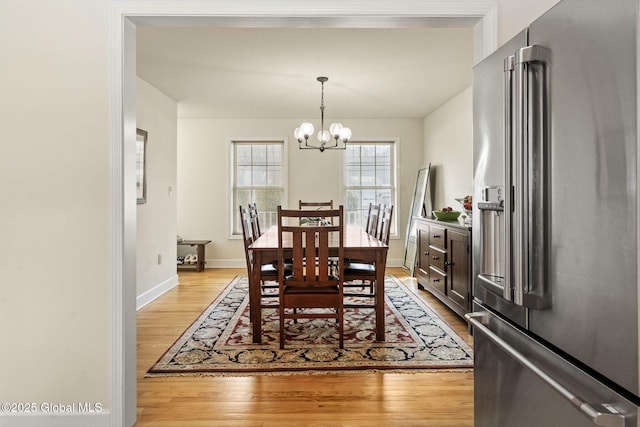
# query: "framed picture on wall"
141,166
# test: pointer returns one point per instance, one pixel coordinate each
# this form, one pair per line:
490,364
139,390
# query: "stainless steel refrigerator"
555,233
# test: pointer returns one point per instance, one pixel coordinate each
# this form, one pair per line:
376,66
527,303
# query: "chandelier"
336,131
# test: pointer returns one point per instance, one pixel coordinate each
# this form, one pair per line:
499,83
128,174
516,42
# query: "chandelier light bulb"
324,136
306,129
345,134
335,129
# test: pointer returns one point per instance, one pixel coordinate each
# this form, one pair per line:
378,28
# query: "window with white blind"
258,176
369,177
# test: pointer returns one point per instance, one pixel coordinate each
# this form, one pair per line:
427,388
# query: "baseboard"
394,262
241,263
155,292
44,419
226,263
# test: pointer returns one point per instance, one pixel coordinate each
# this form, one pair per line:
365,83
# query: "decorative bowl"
444,216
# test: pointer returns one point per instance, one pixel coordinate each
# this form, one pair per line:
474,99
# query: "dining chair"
268,272
371,227
365,271
310,285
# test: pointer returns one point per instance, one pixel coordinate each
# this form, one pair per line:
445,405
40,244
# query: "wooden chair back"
372,220
248,235
328,205
314,281
385,223
255,220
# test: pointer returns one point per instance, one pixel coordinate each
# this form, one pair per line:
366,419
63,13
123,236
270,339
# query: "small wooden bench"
200,244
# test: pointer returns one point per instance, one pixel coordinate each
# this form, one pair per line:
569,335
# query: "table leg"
200,252
381,261
255,311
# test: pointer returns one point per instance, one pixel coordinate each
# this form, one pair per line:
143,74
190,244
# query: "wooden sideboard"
443,262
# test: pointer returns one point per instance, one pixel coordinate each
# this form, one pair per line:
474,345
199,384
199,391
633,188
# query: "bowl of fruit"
446,214
467,204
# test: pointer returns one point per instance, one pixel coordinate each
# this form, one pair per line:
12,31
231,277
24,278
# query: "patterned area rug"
219,341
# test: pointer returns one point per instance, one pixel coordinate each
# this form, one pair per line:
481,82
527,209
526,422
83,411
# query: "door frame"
124,17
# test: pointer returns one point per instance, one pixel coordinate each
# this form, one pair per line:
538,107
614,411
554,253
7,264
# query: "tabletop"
354,237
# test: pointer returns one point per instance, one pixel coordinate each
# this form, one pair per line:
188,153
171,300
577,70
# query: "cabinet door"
423,249
458,268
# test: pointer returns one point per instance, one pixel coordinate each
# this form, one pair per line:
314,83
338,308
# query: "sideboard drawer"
437,236
437,279
437,257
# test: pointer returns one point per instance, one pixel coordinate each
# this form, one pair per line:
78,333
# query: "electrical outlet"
159,259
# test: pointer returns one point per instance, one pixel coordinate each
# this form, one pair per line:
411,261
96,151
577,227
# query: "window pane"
243,176
383,152
259,154
383,197
383,175
368,196
352,175
274,153
353,154
274,176
243,154
368,175
259,173
353,200
368,154
353,208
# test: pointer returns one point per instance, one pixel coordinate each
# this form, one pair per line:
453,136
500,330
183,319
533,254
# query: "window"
370,177
258,177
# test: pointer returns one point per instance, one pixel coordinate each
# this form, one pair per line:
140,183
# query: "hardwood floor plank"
442,398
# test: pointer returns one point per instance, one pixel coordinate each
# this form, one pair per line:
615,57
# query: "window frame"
395,188
233,207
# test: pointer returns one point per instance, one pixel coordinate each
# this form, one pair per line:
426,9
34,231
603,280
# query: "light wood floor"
360,399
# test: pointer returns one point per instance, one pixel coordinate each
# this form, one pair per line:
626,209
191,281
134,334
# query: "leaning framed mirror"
420,204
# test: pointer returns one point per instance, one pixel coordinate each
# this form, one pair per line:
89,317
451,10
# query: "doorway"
125,17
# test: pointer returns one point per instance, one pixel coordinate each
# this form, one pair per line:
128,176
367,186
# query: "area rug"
219,342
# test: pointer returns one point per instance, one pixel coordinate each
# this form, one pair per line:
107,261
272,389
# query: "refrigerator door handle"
601,414
528,209
507,289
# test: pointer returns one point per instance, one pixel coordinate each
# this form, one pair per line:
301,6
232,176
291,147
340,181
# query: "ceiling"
270,73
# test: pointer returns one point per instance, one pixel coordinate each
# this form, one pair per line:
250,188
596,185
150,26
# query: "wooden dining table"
358,244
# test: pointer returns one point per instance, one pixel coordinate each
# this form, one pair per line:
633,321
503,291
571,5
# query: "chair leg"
281,309
341,329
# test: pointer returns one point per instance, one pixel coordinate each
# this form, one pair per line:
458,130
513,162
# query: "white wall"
448,141
55,215
515,15
55,256
156,113
203,175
